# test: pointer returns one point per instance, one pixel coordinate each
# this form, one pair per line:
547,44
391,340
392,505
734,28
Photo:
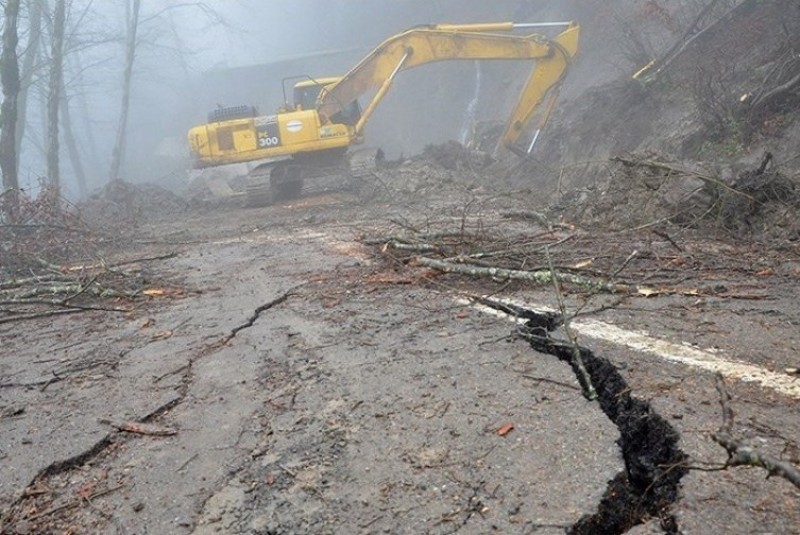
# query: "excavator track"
258,190
363,167
289,179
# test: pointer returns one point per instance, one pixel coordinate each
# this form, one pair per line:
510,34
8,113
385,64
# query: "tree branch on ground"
538,277
742,453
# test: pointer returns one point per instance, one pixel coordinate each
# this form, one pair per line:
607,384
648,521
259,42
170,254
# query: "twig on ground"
82,289
187,461
622,267
740,453
138,428
70,505
550,381
577,360
668,238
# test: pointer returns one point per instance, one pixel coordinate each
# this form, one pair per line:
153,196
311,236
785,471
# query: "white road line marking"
689,356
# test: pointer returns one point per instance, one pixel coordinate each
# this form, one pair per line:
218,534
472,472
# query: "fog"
194,56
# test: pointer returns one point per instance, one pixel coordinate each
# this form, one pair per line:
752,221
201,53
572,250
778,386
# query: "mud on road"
300,374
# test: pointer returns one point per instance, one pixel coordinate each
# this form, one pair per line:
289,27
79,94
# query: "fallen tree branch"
70,290
27,226
18,283
25,317
538,277
413,247
740,453
111,267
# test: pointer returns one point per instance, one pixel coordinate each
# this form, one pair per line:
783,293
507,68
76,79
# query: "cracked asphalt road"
307,399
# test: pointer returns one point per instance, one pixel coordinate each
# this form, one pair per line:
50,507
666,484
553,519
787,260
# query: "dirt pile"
649,190
454,156
722,91
122,206
439,168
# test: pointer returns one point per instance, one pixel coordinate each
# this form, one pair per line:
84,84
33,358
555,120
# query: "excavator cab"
307,93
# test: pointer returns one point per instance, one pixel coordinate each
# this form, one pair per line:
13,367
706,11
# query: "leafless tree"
138,23
9,76
781,85
132,9
712,89
30,59
54,96
72,143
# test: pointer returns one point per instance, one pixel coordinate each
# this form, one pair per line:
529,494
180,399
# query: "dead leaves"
505,429
644,291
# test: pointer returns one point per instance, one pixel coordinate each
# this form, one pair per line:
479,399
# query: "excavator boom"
429,44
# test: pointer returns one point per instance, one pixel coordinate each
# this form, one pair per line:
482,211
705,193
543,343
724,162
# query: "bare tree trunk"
118,152
85,126
54,96
29,61
72,145
9,76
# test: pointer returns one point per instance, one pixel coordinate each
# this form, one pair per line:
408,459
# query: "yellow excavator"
326,118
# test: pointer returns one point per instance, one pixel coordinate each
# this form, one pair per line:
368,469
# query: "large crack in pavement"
647,487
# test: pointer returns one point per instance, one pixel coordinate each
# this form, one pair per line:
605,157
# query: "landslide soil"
292,370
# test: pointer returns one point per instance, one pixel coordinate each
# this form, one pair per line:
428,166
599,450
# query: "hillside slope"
696,108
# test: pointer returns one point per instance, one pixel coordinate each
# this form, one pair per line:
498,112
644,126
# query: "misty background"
194,56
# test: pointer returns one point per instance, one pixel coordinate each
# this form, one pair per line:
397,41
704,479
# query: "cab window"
306,97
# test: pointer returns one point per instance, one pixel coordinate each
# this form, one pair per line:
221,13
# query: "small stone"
137,507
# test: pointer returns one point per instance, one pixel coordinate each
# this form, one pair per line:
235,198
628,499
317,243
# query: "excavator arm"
429,44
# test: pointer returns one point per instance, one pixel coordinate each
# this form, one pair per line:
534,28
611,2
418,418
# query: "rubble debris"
121,206
759,203
454,156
